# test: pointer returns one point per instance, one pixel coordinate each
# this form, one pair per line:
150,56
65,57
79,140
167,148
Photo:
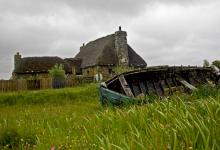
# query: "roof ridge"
113,34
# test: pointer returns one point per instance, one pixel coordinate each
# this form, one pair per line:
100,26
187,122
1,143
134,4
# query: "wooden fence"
44,83
12,85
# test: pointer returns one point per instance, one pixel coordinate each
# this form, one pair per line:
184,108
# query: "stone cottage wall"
106,71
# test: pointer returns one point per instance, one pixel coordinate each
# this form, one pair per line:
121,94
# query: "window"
110,71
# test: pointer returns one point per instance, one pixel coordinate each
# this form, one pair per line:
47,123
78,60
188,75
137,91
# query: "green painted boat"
138,85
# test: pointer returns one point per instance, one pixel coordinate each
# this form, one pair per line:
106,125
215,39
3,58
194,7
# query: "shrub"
57,71
216,63
206,63
58,75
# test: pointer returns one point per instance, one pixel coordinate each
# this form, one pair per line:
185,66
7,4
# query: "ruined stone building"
98,56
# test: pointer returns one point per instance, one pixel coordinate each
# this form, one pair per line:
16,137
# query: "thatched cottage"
29,67
99,56
105,53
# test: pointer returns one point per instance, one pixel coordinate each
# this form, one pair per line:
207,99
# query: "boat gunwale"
158,68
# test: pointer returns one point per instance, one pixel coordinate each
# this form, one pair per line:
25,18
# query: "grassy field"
72,118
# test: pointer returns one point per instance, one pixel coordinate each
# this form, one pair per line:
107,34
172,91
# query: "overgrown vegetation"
214,63
122,69
72,118
206,63
57,71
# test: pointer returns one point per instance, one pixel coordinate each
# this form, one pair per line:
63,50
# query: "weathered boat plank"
150,87
125,86
187,85
143,88
135,89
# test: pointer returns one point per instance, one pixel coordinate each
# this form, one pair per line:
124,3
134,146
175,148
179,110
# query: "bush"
57,71
206,63
216,63
58,75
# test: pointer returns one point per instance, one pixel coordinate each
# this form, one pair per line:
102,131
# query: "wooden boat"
160,80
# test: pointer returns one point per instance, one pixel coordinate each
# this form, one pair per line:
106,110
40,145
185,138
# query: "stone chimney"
17,59
81,47
121,47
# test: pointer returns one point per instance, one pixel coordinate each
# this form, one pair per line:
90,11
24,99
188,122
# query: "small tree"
57,71
216,63
206,63
58,74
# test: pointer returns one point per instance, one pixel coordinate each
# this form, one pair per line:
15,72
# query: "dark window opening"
79,72
110,71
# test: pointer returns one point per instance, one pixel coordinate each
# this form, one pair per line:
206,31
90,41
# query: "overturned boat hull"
161,81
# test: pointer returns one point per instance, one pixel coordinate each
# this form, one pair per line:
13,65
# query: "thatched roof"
75,63
102,52
40,65
134,59
98,52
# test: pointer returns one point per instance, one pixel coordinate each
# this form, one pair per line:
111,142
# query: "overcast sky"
163,32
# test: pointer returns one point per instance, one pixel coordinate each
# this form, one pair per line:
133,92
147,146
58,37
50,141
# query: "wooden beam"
187,85
162,87
155,87
170,88
125,86
142,87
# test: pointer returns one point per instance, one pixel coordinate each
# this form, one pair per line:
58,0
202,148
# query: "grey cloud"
110,7
162,31
33,7
179,36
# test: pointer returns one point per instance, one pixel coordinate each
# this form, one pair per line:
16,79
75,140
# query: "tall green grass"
55,96
164,125
73,119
